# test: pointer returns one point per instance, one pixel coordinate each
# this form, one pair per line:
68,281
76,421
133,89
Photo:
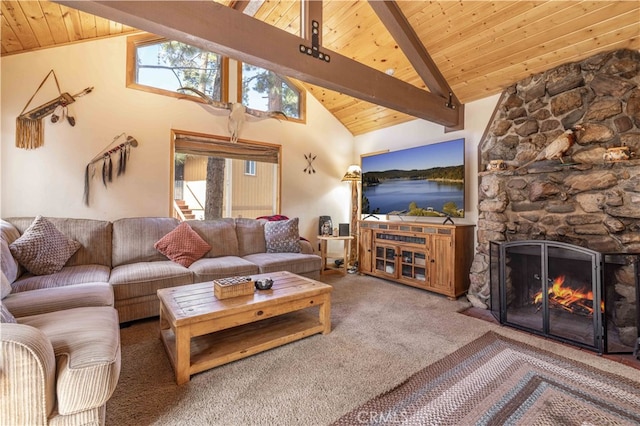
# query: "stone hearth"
586,201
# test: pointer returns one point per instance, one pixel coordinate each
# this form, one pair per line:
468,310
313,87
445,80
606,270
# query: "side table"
324,241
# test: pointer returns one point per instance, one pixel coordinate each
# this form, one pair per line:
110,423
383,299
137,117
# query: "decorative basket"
231,287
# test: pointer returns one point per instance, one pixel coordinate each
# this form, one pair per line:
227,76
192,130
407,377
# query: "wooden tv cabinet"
424,255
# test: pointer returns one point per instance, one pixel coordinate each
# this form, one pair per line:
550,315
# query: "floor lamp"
353,175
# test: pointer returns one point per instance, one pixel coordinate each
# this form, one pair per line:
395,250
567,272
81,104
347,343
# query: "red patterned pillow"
183,245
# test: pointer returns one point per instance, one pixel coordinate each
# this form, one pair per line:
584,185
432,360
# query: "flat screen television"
427,180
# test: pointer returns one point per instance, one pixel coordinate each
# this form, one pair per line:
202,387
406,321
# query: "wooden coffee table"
200,332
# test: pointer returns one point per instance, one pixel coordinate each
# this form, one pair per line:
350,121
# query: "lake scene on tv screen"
423,181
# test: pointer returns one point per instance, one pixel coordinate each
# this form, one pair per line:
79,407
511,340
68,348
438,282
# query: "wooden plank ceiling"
480,47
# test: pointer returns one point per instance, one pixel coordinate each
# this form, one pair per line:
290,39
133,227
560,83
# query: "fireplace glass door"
552,288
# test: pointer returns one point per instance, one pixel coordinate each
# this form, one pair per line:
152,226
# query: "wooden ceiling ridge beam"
311,11
402,32
226,31
239,5
409,42
246,6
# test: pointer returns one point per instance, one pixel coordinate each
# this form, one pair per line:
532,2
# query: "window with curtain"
210,177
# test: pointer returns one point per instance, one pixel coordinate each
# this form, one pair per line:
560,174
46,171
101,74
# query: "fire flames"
574,301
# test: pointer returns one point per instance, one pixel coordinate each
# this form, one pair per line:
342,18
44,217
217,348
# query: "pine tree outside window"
162,66
265,90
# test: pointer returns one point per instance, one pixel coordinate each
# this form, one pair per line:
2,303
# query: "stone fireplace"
586,200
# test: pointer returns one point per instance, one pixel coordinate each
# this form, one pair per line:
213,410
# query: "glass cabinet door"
414,265
386,260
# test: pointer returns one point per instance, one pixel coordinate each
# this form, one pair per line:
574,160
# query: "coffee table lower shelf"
215,349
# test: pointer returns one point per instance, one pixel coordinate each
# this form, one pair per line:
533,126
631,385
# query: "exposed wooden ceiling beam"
226,31
403,33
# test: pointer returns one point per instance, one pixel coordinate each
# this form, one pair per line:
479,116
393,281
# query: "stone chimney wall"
583,199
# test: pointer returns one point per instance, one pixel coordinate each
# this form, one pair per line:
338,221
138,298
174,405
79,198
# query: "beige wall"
50,180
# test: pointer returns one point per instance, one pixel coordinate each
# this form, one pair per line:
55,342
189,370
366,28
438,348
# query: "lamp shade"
353,174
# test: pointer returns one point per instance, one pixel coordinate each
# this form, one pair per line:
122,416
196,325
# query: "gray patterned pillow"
42,249
282,236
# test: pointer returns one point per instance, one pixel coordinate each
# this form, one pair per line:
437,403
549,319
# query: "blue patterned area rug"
496,381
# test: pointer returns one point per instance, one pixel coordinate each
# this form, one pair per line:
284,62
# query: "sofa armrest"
306,247
47,300
27,380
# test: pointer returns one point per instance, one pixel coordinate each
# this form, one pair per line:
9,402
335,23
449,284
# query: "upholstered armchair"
60,355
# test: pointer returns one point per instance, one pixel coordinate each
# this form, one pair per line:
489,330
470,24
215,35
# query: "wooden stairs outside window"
184,208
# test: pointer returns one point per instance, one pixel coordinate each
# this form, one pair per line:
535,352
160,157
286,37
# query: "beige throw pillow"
42,249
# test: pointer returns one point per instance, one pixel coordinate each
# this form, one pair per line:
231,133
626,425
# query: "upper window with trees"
265,90
163,66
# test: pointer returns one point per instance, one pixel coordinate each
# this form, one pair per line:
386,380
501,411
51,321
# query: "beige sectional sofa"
59,337
61,358
122,253
59,351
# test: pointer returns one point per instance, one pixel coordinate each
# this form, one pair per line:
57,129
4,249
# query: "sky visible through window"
156,77
165,79
257,100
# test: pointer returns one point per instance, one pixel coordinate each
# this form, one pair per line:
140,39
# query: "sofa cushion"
220,234
297,263
5,289
42,249
45,300
208,269
10,266
86,344
6,317
5,286
182,245
145,278
133,239
69,275
93,235
250,234
282,236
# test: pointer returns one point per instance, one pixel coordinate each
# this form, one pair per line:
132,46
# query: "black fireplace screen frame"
499,252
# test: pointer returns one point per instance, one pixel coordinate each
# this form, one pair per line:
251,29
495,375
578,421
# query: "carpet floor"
495,381
382,333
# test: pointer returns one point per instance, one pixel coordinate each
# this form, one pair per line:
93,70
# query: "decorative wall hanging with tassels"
29,126
122,153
